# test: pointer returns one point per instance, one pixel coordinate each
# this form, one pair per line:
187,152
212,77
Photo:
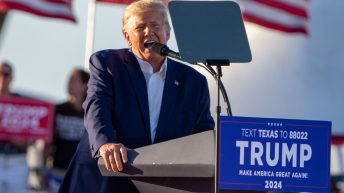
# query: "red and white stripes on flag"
284,15
61,9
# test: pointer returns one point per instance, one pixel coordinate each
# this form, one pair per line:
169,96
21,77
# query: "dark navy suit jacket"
116,110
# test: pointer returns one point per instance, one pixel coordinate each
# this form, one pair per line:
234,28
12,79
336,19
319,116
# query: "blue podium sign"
274,154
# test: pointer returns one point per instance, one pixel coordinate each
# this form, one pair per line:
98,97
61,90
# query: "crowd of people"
13,164
29,166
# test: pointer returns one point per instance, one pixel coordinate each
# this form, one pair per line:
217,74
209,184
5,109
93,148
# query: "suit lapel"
170,93
139,83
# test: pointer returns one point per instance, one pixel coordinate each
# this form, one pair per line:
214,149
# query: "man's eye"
140,28
156,26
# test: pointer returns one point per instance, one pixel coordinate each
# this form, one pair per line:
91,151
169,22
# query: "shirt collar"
148,69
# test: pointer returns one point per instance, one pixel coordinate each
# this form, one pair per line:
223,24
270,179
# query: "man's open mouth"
148,44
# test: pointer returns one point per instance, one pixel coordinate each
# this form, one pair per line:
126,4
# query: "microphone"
164,50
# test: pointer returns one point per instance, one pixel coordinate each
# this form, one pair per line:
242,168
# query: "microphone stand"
222,88
218,64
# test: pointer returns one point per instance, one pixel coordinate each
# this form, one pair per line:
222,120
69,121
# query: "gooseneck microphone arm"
165,51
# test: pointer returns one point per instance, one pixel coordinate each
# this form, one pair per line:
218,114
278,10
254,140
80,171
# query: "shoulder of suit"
186,69
111,53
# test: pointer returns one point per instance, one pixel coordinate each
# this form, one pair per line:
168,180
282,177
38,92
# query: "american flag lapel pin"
176,82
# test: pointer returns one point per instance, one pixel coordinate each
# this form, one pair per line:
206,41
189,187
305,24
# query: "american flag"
61,9
283,15
289,16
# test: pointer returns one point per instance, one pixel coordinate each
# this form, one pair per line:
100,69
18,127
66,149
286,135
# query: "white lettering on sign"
268,133
16,118
248,132
295,154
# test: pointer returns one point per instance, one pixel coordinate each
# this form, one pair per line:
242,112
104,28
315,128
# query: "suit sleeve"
204,119
99,105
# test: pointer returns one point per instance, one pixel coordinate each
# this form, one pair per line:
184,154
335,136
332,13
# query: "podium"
182,165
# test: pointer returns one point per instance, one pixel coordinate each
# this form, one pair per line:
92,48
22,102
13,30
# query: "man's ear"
127,38
168,34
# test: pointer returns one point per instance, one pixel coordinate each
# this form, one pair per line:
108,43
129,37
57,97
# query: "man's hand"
114,154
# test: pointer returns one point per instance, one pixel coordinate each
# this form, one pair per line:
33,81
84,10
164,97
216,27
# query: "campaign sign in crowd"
274,154
26,118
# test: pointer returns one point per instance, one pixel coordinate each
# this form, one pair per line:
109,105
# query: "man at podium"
135,98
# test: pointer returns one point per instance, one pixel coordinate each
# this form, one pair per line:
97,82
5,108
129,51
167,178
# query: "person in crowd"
69,128
13,166
135,98
6,77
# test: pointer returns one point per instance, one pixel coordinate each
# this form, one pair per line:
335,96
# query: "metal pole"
217,133
90,31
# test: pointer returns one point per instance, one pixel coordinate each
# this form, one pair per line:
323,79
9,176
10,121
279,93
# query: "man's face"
75,85
143,28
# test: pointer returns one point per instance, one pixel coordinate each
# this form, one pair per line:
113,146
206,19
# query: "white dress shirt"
155,86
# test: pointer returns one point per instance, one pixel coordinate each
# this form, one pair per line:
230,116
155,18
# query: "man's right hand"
114,155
